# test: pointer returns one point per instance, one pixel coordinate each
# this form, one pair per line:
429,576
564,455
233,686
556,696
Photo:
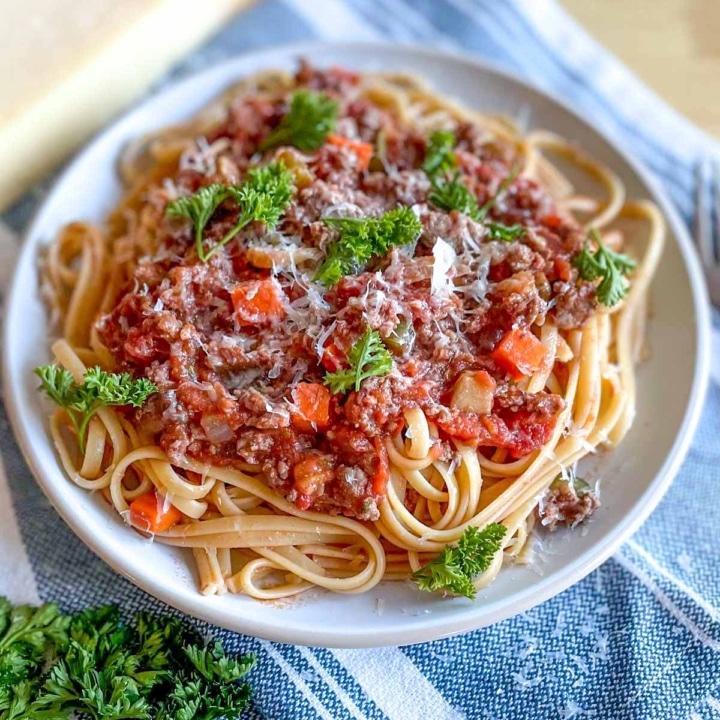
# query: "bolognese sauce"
239,345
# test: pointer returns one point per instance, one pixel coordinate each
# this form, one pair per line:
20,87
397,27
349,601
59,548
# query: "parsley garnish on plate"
93,665
362,239
457,566
368,358
452,194
311,118
506,233
98,389
607,265
263,197
439,155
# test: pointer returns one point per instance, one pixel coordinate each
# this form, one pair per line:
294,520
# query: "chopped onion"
216,428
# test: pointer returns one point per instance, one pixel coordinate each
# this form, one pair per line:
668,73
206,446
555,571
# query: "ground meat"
574,304
562,506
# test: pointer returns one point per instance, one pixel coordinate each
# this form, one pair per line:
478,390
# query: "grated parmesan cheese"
443,260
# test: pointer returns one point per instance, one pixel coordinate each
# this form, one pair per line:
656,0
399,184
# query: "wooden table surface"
673,45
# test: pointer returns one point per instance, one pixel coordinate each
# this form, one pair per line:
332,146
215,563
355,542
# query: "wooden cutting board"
673,45
68,66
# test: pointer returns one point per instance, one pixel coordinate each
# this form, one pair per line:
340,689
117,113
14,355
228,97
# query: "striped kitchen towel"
640,637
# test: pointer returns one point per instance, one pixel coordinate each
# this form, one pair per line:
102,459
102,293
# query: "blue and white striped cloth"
640,637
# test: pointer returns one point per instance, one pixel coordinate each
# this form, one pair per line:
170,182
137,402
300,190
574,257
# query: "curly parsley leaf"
439,156
29,638
609,267
94,665
311,118
362,239
263,197
368,358
455,569
199,208
452,194
98,389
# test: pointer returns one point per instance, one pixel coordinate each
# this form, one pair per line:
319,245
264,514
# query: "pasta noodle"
246,537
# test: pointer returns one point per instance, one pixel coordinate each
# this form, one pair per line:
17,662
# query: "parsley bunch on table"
93,665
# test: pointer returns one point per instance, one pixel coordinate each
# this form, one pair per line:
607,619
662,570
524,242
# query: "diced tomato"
552,221
333,356
152,513
381,477
312,401
362,150
258,302
520,432
562,268
519,353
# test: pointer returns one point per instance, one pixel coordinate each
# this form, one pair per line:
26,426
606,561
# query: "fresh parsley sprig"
93,665
311,118
505,233
98,389
263,197
608,266
362,239
29,637
450,193
439,155
455,569
198,208
368,358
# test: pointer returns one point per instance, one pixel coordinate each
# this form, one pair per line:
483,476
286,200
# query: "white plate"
635,476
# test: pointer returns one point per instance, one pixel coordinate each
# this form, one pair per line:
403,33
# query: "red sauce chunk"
239,346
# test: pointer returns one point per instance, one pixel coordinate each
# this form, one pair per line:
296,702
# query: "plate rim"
201,607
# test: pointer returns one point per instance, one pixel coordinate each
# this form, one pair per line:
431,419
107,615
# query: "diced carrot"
151,513
381,477
311,475
312,401
362,150
258,301
519,353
